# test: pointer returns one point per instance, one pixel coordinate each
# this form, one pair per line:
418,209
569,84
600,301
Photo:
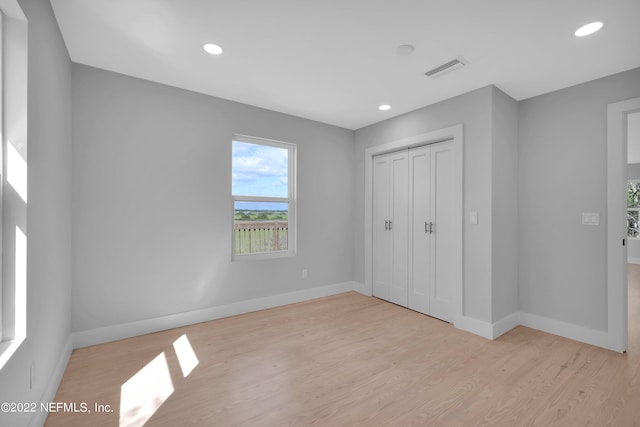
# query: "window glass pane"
260,170
633,194
632,224
260,227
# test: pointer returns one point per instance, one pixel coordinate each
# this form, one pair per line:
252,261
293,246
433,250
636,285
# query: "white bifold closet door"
390,216
413,228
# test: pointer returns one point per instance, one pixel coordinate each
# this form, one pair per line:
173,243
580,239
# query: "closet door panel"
442,243
381,237
419,239
399,228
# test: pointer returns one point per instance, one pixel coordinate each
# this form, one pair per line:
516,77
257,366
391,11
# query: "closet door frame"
455,135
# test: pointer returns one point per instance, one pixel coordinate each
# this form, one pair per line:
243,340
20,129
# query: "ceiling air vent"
445,68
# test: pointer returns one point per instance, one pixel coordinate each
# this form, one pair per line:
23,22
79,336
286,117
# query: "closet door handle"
430,228
426,228
389,224
386,225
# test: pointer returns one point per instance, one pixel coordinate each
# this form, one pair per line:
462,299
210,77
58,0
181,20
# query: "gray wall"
504,197
152,201
474,111
562,173
633,171
48,213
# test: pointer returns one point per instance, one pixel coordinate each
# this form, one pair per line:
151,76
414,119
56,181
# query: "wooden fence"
260,236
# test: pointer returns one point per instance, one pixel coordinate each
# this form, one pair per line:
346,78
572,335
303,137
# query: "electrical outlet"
473,218
305,273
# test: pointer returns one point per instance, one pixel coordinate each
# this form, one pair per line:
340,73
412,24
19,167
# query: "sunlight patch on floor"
145,392
186,356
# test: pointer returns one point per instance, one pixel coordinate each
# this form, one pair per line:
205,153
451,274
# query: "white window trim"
13,76
291,199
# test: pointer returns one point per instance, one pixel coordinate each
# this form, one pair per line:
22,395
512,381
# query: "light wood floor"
350,359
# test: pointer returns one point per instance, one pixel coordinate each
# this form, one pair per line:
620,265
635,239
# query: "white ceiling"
335,61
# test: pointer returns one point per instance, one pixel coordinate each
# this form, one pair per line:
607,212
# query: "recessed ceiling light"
405,50
384,107
590,28
213,49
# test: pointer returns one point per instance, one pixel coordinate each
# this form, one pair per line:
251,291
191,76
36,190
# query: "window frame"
291,199
13,208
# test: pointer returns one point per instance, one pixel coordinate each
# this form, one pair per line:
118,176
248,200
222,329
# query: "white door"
381,237
413,229
431,236
390,207
443,231
398,228
420,239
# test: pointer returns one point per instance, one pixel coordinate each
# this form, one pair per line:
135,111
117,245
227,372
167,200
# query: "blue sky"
259,170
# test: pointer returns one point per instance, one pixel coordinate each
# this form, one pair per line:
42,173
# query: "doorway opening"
633,229
617,226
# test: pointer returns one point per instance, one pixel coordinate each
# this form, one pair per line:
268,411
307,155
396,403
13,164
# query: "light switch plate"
590,218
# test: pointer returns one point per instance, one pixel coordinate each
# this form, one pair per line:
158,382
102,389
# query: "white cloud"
259,170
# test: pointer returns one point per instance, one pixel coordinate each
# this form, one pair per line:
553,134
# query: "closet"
413,228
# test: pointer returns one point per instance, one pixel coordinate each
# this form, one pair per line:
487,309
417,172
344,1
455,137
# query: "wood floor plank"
354,360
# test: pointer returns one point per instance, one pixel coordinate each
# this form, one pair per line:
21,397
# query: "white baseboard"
475,326
49,393
491,331
584,334
156,324
591,336
505,324
361,288
633,260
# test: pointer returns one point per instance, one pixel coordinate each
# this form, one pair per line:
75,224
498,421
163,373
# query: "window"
264,202
13,179
633,209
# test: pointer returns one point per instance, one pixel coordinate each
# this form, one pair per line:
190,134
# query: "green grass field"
248,215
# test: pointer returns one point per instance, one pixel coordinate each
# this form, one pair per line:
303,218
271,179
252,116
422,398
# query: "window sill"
263,256
8,348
